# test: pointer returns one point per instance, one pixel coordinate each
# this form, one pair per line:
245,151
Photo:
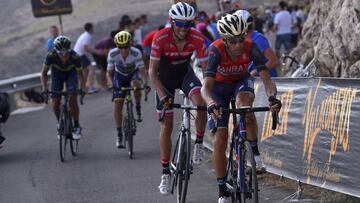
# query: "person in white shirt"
282,26
83,48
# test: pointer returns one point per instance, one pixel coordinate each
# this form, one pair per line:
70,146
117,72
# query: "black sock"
119,131
166,170
198,141
222,187
138,108
76,124
254,146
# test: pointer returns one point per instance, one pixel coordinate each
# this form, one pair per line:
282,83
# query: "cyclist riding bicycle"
124,64
169,70
262,43
227,77
66,68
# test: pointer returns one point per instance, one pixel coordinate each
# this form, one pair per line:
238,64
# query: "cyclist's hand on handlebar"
275,104
214,110
147,88
166,102
45,94
82,92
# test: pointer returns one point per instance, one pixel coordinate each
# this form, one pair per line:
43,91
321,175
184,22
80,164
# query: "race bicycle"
128,121
65,124
181,164
241,172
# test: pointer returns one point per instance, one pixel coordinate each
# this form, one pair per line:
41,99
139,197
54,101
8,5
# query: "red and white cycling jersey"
164,49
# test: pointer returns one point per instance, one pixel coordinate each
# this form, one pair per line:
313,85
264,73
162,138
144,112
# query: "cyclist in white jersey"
124,64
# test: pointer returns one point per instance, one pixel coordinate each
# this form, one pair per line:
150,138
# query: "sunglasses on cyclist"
123,47
62,53
182,24
236,39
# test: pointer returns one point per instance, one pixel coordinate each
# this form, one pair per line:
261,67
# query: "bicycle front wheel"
62,135
185,169
250,177
130,118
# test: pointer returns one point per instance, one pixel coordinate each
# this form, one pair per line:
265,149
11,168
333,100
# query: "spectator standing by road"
104,45
54,32
282,26
83,49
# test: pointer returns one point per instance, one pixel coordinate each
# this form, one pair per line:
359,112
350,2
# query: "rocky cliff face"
331,36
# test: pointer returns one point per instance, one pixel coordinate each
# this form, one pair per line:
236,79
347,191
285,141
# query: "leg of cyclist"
166,128
245,97
137,94
72,84
57,84
118,97
191,86
118,104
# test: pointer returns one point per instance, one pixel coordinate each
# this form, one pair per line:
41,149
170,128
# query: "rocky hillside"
331,36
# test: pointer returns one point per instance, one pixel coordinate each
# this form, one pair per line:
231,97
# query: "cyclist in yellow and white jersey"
124,64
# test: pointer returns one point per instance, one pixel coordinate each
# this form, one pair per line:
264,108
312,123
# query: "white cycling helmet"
182,11
245,15
231,25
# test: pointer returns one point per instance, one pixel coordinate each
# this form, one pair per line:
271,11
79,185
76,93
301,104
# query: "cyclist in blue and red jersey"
262,43
169,70
227,77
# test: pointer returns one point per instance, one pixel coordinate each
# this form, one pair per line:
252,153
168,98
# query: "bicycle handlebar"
65,94
293,60
136,89
181,106
245,110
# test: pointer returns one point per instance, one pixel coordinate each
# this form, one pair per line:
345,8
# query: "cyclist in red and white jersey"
227,77
169,70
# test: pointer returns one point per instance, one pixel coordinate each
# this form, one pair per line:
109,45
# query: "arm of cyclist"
156,83
44,77
270,88
214,58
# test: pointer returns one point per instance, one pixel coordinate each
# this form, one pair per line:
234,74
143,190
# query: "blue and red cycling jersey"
224,69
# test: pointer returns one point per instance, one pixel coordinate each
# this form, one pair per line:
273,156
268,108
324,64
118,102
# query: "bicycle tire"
74,144
130,129
187,168
232,177
62,134
174,164
251,185
180,168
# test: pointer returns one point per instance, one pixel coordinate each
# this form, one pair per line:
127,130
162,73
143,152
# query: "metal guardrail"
18,84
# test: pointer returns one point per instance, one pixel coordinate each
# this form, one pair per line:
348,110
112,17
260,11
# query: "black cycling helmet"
62,43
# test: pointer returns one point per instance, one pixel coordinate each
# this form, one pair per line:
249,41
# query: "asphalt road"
31,171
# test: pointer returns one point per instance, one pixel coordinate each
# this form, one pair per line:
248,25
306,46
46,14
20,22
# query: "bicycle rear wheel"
74,144
250,177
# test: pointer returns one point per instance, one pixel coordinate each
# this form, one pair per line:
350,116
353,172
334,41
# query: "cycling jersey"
175,71
63,72
126,66
148,41
263,45
52,60
174,63
223,69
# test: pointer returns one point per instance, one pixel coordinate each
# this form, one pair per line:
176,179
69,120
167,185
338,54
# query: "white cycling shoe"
260,166
224,200
198,154
164,186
